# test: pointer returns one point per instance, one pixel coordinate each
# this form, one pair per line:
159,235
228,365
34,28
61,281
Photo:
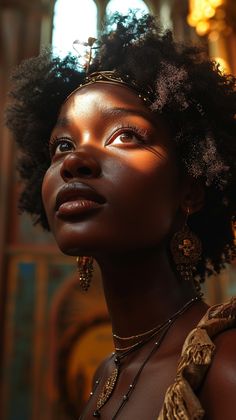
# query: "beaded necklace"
111,381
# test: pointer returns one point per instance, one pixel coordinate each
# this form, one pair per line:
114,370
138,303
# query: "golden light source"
223,65
201,14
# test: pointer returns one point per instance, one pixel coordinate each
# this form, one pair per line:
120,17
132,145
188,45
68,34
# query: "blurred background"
53,336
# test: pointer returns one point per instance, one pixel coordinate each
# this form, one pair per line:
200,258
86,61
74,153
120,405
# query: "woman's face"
113,183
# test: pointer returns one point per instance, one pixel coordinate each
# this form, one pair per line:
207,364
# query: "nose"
79,165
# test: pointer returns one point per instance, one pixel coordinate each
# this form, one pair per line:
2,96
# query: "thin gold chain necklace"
111,381
132,337
153,333
145,336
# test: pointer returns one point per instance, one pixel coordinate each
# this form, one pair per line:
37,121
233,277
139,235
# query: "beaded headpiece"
112,77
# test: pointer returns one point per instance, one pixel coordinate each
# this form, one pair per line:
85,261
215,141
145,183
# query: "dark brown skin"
107,139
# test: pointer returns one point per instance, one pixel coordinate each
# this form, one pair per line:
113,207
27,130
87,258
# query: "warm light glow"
209,12
223,65
202,28
201,11
216,3
214,36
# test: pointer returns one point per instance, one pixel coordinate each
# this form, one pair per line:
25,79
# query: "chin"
71,249
73,239
81,245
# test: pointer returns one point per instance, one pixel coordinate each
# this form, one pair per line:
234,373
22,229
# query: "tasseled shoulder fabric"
180,401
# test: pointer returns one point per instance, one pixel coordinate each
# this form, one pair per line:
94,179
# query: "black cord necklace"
136,378
111,381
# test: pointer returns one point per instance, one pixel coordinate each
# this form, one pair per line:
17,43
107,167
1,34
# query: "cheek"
151,176
148,197
49,186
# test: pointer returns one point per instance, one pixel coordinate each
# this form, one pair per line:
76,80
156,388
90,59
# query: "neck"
141,291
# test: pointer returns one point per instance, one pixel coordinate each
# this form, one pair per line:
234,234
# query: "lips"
77,198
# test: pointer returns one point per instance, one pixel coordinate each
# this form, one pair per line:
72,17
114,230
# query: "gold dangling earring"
85,268
186,249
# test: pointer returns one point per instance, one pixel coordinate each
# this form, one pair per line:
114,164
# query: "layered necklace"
120,353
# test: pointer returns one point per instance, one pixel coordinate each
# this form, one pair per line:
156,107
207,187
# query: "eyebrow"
110,114
63,122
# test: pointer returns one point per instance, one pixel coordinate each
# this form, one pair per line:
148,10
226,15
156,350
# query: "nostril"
67,174
76,165
85,171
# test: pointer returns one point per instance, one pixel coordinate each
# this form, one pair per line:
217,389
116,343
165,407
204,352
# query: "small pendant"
106,391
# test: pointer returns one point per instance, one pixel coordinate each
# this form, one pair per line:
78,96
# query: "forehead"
110,100
112,91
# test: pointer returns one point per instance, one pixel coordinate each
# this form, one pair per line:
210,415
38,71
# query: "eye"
60,145
127,136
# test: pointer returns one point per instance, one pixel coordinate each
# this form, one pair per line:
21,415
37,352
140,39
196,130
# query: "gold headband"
112,78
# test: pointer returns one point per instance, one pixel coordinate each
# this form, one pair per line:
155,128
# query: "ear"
193,195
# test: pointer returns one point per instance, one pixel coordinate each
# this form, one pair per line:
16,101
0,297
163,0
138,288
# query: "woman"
135,159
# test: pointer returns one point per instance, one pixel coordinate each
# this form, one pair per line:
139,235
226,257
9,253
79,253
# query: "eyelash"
54,142
142,136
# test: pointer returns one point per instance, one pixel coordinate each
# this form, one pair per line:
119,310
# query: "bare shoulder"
100,369
218,393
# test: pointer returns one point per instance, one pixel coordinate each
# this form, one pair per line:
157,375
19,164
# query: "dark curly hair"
191,94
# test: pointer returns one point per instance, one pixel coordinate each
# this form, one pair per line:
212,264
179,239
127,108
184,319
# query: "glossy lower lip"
76,208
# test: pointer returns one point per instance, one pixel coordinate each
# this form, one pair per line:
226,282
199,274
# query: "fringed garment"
181,402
